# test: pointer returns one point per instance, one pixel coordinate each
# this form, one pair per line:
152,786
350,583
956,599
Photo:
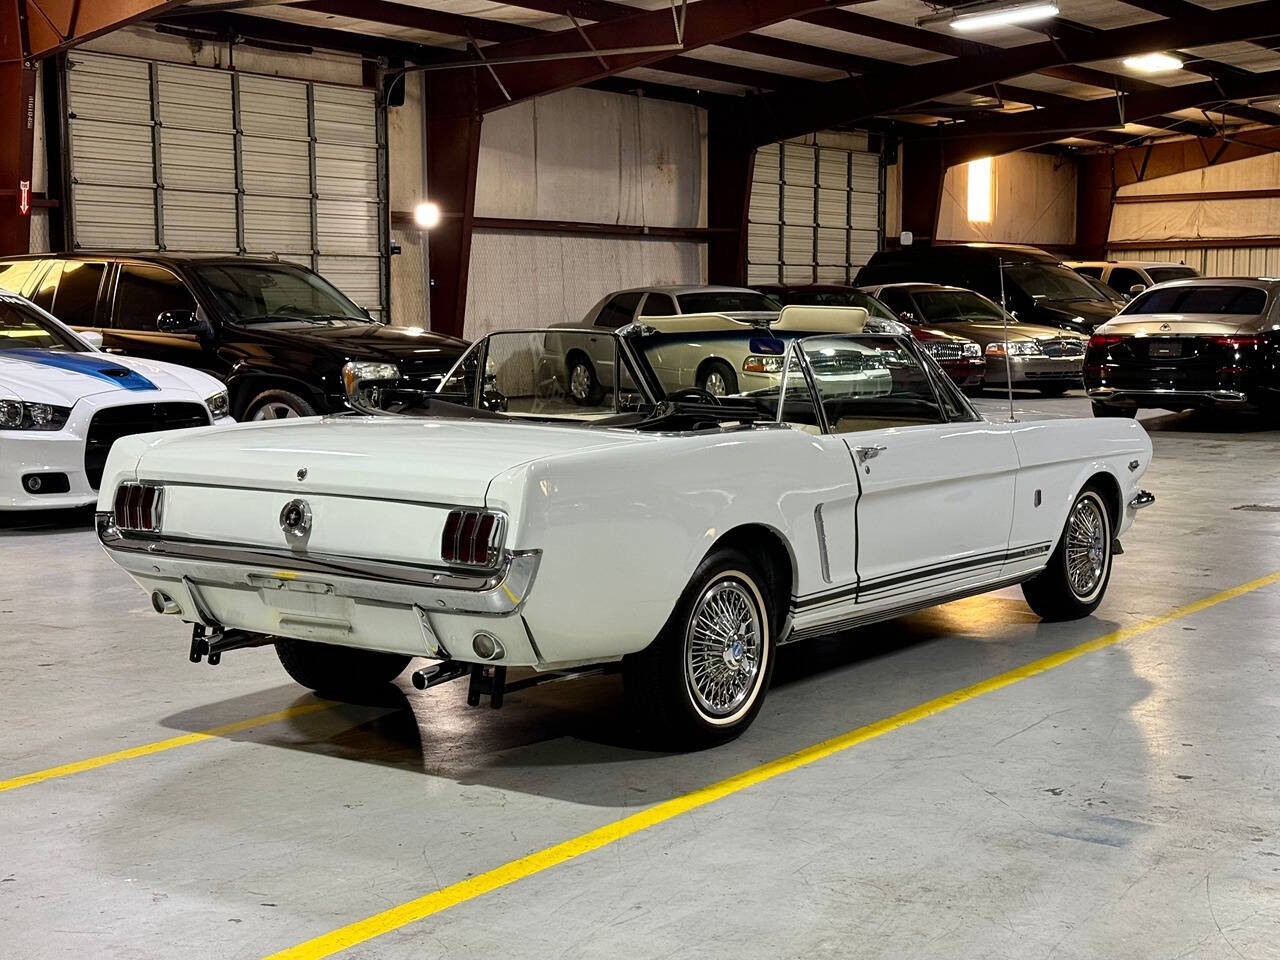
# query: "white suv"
1131,277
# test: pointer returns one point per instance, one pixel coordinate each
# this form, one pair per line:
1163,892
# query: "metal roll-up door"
815,213
112,156
198,160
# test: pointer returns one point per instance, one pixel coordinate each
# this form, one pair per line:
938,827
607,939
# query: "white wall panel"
592,156
1260,261
536,280
1034,201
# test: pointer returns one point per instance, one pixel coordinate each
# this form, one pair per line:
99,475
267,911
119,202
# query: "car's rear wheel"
338,672
1110,410
1075,580
718,379
702,681
584,385
278,405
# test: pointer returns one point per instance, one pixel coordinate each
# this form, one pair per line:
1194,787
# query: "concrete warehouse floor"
1123,804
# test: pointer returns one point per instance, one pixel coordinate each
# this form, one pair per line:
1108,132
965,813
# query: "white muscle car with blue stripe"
63,403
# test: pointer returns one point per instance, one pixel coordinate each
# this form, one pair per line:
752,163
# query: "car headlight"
17,415
971,349
1016,348
762,363
219,405
357,372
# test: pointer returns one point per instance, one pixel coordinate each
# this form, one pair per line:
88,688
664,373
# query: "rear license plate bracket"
1164,350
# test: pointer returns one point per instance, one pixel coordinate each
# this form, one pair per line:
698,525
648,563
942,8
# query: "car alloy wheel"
1087,546
715,384
580,382
725,648
275,410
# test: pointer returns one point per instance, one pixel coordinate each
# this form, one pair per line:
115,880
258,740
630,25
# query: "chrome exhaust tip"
161,602
487,647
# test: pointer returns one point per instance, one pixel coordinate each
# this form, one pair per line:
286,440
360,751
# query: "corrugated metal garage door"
815,213
194,160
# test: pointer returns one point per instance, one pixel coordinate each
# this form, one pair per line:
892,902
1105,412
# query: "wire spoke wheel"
1086,547
580,381
723,647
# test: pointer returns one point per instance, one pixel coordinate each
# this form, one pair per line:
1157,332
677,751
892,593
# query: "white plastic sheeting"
1034,201
523,280
587,156
1199,219
598,157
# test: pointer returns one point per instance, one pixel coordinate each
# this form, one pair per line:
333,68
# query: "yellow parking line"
146,749
361,931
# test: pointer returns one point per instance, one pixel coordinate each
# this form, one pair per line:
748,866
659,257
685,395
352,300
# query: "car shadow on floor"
821,688
34,523
1213,422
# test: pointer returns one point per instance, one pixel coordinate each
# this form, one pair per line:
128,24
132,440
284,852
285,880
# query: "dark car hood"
354,340
1091,313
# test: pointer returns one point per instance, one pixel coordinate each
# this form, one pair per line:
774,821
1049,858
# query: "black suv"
1038,287
277,333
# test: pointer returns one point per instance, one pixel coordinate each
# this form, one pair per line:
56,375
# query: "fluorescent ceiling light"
1153,63
991,18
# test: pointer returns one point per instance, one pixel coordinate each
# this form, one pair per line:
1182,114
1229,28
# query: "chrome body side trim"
889,613
1143,498
1222,396
824,560
499,591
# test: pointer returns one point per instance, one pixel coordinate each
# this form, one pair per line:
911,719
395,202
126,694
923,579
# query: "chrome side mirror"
92,338
177,321
1136,289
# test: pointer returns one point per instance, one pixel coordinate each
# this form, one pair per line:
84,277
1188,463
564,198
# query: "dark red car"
961,358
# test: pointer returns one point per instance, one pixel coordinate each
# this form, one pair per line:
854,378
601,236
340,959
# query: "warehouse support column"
452,120
731,160
924,167
1095,197
17,129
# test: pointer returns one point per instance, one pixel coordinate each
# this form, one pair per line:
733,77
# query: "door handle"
869,453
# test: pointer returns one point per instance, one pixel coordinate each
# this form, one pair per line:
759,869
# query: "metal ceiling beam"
989,138
231,26
54,25
846,101
936,42
420,18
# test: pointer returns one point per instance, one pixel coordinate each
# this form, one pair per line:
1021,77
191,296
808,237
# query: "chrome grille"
945,350
1063,347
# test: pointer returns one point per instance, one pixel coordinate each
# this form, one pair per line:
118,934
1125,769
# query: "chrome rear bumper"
497,592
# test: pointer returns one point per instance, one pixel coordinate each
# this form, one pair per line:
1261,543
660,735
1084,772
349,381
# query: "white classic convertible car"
503,523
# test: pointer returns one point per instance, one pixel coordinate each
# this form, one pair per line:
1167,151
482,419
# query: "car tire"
718,379
278,405
671,686
1054,389
1108,410
338,672
584,385
1084,547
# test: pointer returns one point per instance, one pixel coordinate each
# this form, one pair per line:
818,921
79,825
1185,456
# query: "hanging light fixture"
972,17
1153,63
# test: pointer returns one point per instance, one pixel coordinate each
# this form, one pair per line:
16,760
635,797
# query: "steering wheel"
694,393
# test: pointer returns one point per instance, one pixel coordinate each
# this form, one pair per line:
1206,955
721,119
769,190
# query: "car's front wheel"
702,681
718,379
1073,583
339,672
278,405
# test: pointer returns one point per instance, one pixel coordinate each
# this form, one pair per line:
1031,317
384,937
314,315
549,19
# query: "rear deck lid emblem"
302,473
295,519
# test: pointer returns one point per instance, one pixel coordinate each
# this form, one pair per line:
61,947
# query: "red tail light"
1235,341
472,538
139,507
1103,340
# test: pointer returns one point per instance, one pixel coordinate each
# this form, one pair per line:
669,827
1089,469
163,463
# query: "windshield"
275,291
1179,272
1050,281
22,328
840,298
950,306
727,301
1201,299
